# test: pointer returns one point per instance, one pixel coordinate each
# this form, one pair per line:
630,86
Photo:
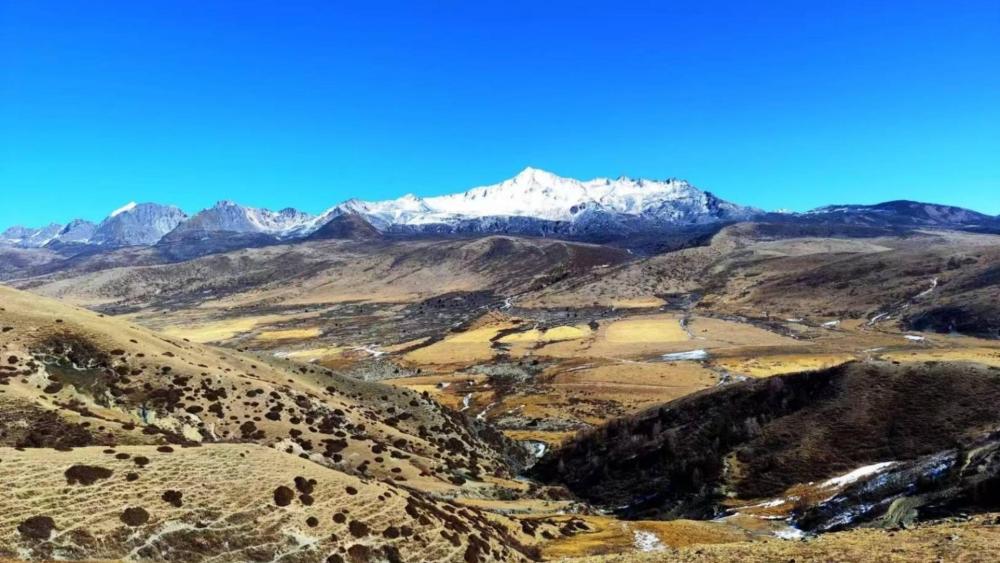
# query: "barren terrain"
429,375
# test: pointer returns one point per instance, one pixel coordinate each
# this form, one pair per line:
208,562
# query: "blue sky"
788,105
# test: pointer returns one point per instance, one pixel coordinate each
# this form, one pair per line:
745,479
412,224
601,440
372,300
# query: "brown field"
611,536
764,366
973,541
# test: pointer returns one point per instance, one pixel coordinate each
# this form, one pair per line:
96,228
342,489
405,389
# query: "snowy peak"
533,202
229,216
538,194
137,224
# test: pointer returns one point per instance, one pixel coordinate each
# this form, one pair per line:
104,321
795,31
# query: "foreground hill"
228,502
117,417
825,449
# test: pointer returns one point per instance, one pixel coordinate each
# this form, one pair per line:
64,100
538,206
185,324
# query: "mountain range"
533,203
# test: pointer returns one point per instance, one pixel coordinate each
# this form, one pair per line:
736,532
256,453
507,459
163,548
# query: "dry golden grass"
225,507
213,332
554,334
470,346
147,357
221,330
765,366
310,354
646,330
630,337
972,542
289,334
643,302
551,437
718,333
611,536
637,384
982,355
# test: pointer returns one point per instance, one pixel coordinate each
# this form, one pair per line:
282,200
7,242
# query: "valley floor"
413,374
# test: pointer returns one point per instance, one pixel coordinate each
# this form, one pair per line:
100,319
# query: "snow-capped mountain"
228,216
137,224
539,202
534,202
27,237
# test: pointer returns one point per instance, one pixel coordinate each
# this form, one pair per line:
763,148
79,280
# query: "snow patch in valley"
934,284
647,541
790,533
683,356
536,448
371,350
851,477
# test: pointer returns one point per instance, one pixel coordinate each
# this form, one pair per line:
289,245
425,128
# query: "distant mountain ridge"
228,216
137,224
532,203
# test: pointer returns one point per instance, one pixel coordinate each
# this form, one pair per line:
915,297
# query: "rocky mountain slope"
227,216
137,224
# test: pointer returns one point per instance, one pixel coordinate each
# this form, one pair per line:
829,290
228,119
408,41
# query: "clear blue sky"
299,103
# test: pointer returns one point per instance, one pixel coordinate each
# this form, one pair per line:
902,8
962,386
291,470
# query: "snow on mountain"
543,196
28,237
534,202
227,216
137,224
127,207
76,231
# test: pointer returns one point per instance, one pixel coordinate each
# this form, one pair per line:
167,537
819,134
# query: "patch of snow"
482,415
681,356
647,541
914,337
790,533
538,449
768,504
847,516
877,318
127,207
371,350
466,401
830,324
934,283
794,320
848,478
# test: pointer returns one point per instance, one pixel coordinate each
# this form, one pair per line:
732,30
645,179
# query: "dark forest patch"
670,461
